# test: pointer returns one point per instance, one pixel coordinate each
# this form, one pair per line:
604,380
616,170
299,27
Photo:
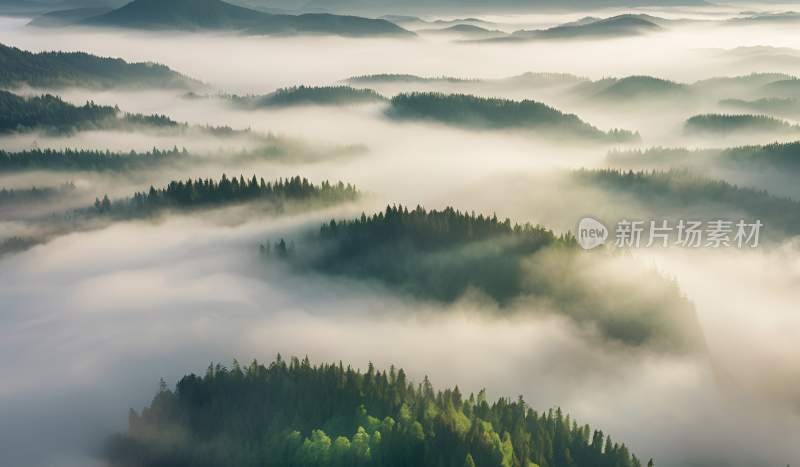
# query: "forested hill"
49,112
329,95
472,111
67,69
216,15
676,190
332,416
440,256
725,124
779,156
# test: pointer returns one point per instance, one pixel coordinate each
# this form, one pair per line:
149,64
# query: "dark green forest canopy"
271,147
442,255
49,112
781,156
493,113
277,196
665,191
723,124
84,160
329,415
78,69
328,95
204,192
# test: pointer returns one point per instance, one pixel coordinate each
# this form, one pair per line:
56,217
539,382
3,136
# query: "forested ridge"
49,112
784,156
327,95
440,256
68,69
270,147
277,196
494,113
209,192
83,159
329,415
716,123
34,194
680,188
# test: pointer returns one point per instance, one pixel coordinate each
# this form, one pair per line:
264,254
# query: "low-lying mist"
92,318
189,292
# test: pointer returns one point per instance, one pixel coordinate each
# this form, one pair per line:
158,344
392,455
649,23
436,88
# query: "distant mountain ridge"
616,26
216,15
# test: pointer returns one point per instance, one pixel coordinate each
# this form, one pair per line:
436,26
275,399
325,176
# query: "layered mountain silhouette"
617,26
216,15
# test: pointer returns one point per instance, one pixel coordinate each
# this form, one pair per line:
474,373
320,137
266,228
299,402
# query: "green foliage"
472,111
329,95
724,124
274,415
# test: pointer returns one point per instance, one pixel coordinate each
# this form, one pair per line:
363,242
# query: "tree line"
677,188
443,256
83,159
494,113
297,414
723,124
327,95
781,156
201,192
34,194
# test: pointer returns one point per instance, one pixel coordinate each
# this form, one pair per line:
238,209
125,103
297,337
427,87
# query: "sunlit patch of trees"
297,414
494,113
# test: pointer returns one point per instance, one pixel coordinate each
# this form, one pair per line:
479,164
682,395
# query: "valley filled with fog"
113,277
